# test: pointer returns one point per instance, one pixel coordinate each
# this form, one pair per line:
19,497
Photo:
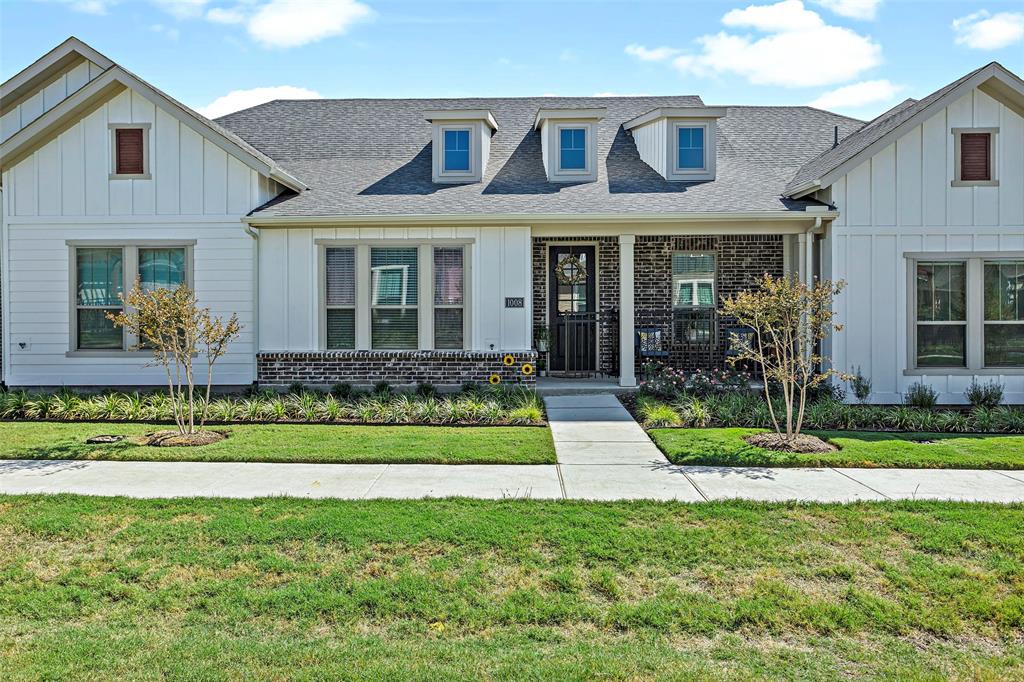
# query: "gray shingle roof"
862,139
373,158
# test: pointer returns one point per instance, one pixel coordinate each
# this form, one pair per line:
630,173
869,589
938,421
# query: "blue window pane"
456,150
573,148
691,148
691,158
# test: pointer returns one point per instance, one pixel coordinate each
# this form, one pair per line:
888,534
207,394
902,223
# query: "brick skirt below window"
441,368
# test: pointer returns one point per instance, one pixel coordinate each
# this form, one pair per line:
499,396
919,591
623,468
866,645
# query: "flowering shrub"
669,382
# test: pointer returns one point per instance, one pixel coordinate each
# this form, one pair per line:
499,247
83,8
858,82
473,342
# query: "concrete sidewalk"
603,454
586,481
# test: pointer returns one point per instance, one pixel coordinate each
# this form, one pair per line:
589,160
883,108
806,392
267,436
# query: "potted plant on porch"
540,342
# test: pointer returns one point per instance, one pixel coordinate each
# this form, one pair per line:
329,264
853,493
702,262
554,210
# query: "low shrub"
984,395
861,386
749,410
663,381
921,395
497,405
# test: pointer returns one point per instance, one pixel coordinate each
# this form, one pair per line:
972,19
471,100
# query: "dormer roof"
674,112
447,115
569,114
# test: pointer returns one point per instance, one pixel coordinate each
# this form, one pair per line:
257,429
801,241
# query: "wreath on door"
570,270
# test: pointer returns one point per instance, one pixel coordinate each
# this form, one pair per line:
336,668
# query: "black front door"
572,308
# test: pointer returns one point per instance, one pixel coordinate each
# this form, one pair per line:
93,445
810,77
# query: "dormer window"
568,143
461,144
690,149
678,142
456,150
572,149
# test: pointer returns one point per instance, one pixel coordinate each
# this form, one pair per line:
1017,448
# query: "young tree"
789,319
170,323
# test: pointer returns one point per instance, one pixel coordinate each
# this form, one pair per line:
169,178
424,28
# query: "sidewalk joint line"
1012,478
561,481
374,482
694,484
861,483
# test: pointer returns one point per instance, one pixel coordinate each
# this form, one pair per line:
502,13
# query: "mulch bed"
165,439
804,443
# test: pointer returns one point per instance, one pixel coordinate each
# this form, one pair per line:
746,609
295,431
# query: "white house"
425,240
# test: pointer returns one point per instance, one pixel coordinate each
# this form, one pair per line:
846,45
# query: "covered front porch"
604,304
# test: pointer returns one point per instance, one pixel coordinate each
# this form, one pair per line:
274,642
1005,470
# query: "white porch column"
801,256
627,373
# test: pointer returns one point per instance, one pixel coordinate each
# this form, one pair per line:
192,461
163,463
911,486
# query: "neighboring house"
425,240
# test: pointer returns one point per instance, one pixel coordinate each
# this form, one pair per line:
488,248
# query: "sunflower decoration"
494,379
570,270
526,369
509,360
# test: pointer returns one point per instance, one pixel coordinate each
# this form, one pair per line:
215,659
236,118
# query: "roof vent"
835,137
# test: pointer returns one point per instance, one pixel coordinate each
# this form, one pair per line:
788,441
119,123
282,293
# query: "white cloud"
799,50
984,31
237,100
788,15
653,54
86,6
222,15
169,31
858,95
182,9
854,9
291,23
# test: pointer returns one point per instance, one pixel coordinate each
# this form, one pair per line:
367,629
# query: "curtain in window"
394,290
340,275
942,314
99,282
1004,313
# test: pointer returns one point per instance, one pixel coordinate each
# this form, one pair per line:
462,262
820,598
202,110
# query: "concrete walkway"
602,455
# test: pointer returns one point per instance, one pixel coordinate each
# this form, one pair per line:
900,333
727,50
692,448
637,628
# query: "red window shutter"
975,156
129,151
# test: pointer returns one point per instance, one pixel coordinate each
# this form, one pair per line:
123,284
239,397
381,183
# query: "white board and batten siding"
41,101
901,201
290,297
63,192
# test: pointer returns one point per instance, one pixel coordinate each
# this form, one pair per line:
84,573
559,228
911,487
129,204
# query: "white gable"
70,175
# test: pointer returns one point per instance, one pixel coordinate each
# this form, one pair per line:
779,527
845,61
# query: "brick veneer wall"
607,249
442,368
739,260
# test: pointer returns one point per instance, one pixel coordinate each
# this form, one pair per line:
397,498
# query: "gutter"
507,219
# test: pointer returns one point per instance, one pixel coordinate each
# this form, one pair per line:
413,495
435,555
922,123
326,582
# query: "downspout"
255,300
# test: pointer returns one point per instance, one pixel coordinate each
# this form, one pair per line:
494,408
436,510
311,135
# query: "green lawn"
726,447
108,588
291,443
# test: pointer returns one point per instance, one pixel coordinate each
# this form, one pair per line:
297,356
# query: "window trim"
679,170
588,149
129,263
993,161
425,304
975,338
473,162
145,174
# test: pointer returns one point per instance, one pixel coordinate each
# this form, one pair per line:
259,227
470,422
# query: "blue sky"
854,56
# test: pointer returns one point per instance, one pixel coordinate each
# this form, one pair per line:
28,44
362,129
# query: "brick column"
627,373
